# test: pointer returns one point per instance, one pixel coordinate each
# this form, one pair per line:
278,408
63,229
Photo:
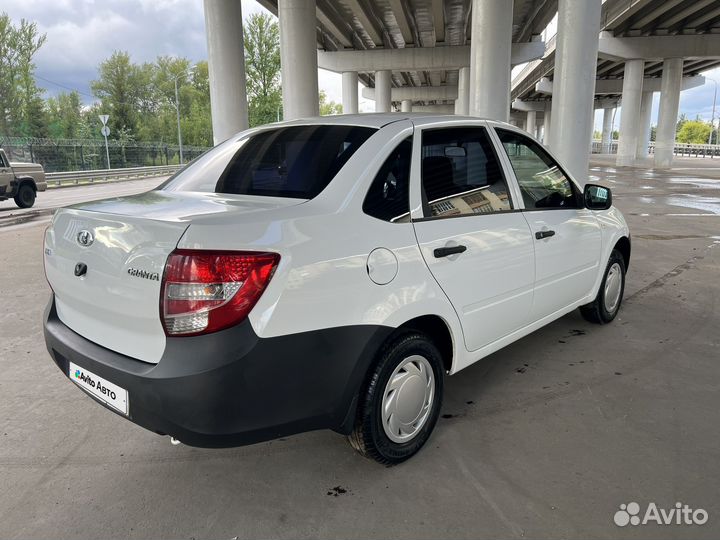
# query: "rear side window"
388,197
296,162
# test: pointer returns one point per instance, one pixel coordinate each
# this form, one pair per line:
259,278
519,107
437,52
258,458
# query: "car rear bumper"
232,388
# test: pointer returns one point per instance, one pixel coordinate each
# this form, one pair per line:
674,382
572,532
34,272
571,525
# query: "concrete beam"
614,86
417,93
659,47
417,58
527,106
605,103
545,105
435,109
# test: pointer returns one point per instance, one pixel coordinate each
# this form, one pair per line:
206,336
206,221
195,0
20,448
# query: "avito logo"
681,514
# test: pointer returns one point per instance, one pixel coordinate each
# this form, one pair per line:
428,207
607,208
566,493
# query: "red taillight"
206,291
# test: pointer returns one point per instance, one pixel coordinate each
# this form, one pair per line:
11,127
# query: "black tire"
25,197
368,436
597,312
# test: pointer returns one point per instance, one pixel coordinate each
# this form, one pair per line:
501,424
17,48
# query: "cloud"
83,33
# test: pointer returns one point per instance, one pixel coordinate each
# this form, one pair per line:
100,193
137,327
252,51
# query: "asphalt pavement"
546,438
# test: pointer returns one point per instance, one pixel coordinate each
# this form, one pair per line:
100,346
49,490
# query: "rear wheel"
25,197
400,401
607,302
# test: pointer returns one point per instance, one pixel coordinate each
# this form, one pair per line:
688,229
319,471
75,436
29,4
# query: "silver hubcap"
408,399
613,286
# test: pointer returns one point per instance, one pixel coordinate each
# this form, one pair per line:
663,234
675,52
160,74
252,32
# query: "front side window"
542,182
296,161
388,197
461,174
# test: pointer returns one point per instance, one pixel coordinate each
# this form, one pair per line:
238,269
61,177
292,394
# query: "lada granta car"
325,273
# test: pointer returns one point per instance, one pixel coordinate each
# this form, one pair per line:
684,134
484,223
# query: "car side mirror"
597,197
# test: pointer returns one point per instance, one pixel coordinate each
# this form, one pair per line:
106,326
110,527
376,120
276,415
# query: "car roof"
374,120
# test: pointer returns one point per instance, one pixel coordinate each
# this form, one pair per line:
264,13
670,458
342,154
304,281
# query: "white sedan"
325,273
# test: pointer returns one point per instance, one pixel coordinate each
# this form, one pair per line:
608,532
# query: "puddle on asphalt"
708,204
670,236
700,183
672,215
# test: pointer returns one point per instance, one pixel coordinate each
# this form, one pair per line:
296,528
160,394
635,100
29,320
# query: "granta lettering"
135,272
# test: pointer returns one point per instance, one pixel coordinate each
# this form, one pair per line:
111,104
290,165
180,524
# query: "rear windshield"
296,161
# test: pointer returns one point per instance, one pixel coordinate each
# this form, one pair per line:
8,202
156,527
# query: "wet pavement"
545,438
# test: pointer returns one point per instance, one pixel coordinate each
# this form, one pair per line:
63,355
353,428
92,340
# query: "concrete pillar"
298,58
490,45
383,84
574,83
406,105
645,114
226,68
350,92
607,129
670,87
463,100
531,122
630,112
547,123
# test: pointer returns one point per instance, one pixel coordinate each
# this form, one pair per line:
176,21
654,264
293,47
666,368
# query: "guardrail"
681,149
72,178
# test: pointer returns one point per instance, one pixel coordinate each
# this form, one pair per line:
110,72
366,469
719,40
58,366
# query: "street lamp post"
712,118
177,111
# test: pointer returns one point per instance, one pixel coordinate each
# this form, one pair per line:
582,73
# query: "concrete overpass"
456,56
644,47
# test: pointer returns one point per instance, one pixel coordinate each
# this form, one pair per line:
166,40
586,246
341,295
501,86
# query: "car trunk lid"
119,248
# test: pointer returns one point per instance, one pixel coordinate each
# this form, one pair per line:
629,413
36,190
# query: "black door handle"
544,234
445,251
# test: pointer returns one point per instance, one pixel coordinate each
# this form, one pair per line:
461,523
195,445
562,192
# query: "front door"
477,246
6,175
567,236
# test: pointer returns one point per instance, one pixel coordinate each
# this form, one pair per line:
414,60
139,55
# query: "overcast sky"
82,33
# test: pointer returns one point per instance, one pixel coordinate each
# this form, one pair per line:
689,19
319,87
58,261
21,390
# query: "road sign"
104,118
105,131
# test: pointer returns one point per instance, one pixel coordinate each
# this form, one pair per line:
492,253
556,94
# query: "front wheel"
25,197
606,305
400,401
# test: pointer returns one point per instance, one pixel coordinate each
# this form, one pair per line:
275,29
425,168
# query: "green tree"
22,110
65,116
694,132
122,88
328,107
262,69
680,122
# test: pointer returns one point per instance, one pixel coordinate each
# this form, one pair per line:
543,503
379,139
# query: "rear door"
567,236
475,242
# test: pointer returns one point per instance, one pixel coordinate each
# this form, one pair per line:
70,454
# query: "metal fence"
681,149
59,155
71,178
